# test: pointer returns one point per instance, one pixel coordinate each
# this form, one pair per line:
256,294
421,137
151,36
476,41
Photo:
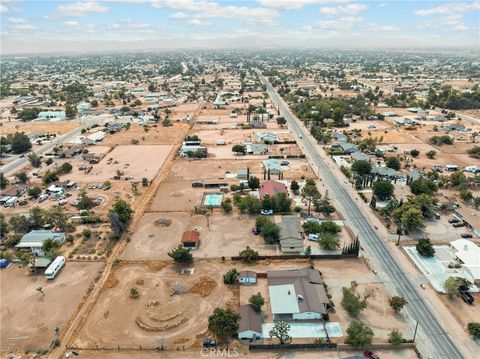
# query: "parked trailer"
55,267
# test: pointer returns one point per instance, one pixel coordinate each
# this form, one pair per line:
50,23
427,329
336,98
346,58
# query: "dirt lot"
52,127
226,236
217,169
462,312
176,195
28,318
378,315
155,314
136,161
155,136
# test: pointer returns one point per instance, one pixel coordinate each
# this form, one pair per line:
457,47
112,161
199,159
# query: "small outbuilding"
247,277
191,239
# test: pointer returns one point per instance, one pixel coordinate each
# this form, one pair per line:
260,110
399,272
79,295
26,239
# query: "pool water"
213,200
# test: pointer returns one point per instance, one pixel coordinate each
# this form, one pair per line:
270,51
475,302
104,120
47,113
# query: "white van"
55,267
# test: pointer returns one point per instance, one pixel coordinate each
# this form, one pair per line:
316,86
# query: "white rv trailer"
55,267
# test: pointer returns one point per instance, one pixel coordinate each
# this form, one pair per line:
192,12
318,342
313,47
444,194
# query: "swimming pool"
212,199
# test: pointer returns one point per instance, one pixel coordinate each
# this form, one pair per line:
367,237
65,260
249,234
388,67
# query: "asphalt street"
436,342
17,164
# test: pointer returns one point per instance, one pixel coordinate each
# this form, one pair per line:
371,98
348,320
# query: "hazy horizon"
43,27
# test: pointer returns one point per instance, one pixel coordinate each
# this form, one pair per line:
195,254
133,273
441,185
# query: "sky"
38,26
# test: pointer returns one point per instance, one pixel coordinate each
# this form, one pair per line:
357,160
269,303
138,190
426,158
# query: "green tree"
362,167
57,218
123,210
3,181
324,205
22,177
294,186
3,226
281,121
19,224
474,152
34,192
64,168
227,206
310,193
37,161
329,227
311,227
231,276
181,255
395,337
85,202
223,323
414,153
50,247
20,143
393,162
431,154
49,177
451,286
281,330
257,301
424,247
329,241
37,217
474,329
145,182
253,183
270,232
383,190
70,111
239,149
397,303
248,255
410,217
352,303
423,186
359,334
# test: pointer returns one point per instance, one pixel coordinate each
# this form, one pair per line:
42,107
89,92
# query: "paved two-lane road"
17,164
433,340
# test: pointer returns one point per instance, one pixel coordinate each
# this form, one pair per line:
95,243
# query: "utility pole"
415,334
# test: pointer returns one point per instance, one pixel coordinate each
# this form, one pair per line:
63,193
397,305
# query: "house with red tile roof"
271,188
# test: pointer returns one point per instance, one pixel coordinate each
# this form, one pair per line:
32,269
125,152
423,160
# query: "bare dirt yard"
51,127
136,161
158,135
28,319
226,236
378,315
178,320
221,169
462,312
177,196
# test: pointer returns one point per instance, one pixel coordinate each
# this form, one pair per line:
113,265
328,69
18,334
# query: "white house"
468,253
